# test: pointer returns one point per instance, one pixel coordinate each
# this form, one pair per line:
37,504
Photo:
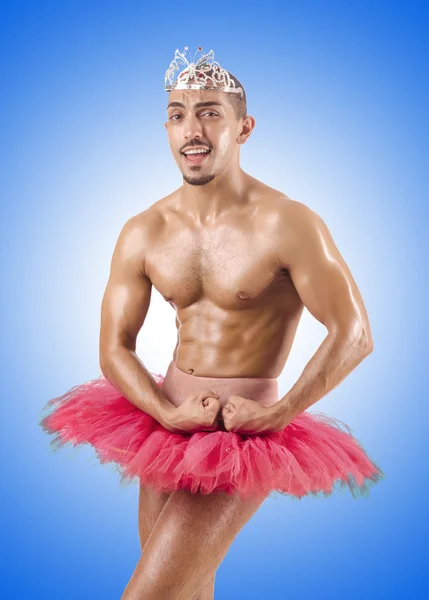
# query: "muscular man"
238,261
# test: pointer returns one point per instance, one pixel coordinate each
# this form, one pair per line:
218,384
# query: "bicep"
127,295
321,276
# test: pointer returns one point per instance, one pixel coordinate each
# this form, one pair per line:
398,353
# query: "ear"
246,129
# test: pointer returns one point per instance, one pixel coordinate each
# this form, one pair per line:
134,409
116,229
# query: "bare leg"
206,591
150,507
187,544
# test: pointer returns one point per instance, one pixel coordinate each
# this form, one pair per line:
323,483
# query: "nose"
193,128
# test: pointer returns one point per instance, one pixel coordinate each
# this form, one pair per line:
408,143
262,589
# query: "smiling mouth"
196,159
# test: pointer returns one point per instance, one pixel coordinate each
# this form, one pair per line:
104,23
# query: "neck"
206,203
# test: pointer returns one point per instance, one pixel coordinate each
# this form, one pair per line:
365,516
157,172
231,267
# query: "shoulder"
289,217
148,224
298,231
298,220
294,213
135,239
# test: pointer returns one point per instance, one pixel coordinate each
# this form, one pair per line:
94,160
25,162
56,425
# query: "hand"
195,413
249,417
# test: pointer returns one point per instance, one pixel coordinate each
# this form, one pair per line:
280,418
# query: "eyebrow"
197,105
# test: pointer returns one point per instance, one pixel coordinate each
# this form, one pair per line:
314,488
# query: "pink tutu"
311,454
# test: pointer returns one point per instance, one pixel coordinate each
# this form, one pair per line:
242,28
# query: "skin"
238,261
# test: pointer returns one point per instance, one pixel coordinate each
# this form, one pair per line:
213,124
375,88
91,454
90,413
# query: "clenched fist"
196,413
248,416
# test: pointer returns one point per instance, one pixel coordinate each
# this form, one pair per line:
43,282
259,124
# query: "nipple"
242,295
168,300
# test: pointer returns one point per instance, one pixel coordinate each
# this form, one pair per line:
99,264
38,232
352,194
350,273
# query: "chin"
198,179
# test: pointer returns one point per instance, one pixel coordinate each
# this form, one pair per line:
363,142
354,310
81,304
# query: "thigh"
150,506
188,542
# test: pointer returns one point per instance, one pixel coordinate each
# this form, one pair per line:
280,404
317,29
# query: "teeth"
196,152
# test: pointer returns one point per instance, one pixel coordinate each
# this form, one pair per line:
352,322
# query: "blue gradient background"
340,96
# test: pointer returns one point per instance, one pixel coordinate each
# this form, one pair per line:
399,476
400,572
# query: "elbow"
103,364
365,342
370,345
110,357
105,361
366,339
357,337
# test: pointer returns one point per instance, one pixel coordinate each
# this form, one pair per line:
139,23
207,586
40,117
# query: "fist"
196,413
248,416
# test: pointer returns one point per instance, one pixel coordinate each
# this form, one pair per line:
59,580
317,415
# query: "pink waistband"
178,385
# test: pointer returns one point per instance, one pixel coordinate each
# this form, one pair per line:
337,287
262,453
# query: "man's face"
201,119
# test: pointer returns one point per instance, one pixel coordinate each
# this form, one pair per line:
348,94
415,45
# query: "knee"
143,586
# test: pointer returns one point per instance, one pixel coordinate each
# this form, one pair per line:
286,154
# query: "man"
238,261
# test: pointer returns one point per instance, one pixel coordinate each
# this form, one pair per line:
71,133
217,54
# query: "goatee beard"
198,179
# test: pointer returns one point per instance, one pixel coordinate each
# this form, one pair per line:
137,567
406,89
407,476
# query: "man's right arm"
123,311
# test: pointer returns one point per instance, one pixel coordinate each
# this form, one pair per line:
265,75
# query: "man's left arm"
327,289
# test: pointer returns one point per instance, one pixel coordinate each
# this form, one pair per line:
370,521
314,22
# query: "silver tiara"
199,71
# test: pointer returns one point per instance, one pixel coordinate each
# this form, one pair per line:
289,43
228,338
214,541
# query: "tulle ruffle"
312,455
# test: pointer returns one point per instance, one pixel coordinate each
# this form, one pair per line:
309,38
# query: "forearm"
335,358
128,374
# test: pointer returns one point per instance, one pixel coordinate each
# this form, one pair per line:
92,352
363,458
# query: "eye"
172,118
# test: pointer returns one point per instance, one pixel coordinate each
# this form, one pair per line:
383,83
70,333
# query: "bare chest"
232,267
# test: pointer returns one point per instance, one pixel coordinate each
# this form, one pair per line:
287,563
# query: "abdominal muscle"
251,342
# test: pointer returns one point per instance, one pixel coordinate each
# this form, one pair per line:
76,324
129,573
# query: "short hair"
238,101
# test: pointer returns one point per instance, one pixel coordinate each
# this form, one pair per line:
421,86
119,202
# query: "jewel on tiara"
201,71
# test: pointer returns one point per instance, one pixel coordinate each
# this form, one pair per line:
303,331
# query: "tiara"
202,71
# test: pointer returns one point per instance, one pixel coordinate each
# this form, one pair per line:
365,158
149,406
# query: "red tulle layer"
312,454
